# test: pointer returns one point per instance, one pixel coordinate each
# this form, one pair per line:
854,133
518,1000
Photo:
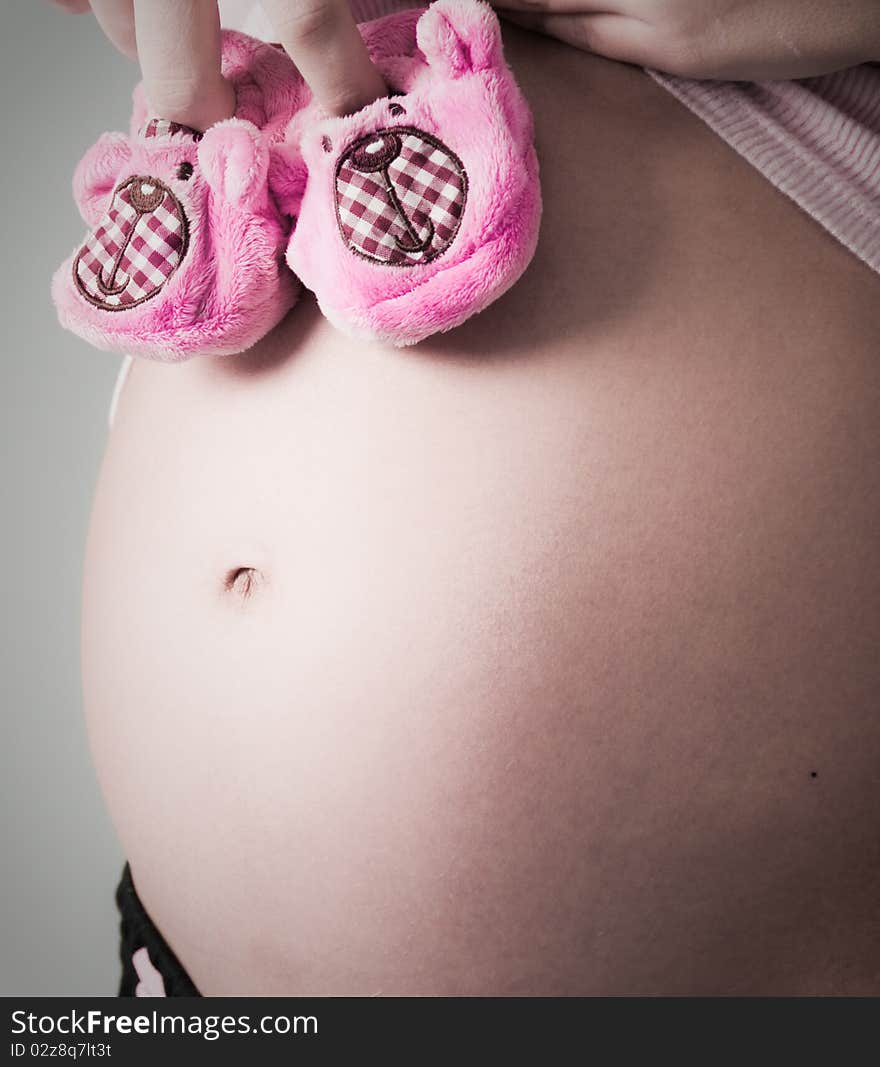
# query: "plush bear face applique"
136,247
400,196
143,236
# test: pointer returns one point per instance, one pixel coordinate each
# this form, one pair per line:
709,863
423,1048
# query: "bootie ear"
460,37
235,161
96,175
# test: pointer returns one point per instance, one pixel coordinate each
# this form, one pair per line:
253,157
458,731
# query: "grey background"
62,85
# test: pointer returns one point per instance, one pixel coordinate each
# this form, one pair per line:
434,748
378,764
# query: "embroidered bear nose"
375,153
146,195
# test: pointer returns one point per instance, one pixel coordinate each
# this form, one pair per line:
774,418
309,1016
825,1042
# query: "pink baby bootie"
422,208
186,251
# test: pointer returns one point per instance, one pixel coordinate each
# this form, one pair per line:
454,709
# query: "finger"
565,7
322,38
178,45
612,36
116,19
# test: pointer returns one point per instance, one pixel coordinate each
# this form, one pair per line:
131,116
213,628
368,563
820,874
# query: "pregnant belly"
540,659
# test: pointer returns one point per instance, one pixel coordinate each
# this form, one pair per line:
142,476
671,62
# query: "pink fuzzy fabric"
401,251
202,273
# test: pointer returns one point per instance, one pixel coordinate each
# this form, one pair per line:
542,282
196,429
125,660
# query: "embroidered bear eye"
396,109
185,171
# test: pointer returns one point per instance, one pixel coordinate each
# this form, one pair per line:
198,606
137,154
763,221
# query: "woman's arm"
737,39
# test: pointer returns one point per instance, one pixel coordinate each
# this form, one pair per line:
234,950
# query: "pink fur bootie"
186,251
419,210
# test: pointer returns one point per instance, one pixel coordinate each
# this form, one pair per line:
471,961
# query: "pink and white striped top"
817,139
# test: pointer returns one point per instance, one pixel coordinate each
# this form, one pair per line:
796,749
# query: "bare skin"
741,39
177,44
549,625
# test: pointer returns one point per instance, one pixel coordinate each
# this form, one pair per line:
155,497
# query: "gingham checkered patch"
165,128
400,196
135,250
